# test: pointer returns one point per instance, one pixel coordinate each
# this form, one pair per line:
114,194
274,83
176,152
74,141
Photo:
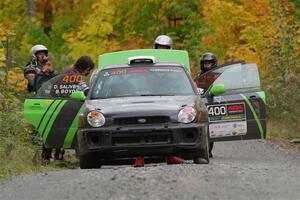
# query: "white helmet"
37,48
163,40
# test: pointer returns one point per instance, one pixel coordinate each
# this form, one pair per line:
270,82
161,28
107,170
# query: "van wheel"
89,161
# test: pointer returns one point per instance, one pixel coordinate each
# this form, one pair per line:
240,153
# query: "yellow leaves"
225,21
16,80
2,57
240,31
95,35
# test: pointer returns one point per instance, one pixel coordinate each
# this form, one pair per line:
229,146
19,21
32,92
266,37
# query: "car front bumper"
147,140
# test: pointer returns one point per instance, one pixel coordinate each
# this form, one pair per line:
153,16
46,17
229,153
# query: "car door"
53,113
237,113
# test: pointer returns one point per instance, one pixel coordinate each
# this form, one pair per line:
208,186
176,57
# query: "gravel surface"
239,170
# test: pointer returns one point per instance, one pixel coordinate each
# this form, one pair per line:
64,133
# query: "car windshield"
142,81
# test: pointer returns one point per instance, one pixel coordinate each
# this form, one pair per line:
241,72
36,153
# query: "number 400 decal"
73,78
217,110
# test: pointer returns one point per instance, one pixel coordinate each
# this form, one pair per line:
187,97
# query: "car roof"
159,64
161,56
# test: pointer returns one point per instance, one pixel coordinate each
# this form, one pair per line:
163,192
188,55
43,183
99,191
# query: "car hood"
141,106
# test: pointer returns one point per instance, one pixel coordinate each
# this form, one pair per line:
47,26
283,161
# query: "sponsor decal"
218,99
75,78
225,112
63,89
141,70
227,120
118,72
138,71
227,129
165,70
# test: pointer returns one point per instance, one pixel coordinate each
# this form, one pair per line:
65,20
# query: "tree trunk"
48,16
31,9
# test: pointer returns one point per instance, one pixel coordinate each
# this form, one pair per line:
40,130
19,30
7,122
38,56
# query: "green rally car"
232,94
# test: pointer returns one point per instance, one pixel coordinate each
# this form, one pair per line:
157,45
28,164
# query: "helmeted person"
39,57
37,71
208,62
163,42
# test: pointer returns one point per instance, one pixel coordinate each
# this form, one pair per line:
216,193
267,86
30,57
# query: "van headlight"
187,115
96,119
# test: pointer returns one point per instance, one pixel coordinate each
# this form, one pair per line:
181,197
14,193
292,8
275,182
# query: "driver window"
60,86
239,78
236,78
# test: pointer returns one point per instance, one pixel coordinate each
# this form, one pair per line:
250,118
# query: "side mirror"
217,90
78,96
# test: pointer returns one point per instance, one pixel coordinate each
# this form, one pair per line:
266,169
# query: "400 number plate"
226,120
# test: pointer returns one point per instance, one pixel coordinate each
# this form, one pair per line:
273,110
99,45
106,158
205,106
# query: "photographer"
39,57
47,72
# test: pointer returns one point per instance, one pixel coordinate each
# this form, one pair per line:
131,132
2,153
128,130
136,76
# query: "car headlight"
187,115
96,119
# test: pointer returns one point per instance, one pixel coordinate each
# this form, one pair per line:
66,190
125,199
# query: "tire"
89,161
203,157
76,148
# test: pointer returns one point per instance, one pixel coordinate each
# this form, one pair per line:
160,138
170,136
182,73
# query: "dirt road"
239,170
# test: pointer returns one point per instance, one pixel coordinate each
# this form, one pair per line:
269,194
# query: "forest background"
266,32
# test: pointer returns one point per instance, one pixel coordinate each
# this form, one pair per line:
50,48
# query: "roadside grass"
19,158
283,129
20,152
283,133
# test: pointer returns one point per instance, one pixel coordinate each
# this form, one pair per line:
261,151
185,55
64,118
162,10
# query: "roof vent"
141,59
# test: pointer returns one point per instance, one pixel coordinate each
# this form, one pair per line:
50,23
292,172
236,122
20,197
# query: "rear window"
142,81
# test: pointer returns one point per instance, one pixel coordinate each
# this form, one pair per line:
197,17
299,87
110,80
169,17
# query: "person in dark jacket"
208,62
39,57
47,72
84,65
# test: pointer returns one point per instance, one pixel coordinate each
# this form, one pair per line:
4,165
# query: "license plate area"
141,138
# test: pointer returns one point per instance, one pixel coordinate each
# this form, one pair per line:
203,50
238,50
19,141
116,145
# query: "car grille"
142,120
138,138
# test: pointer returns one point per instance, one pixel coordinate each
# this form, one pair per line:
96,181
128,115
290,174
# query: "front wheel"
89,161
203,156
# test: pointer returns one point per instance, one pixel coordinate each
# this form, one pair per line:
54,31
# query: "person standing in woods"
39,57
161,42
37,71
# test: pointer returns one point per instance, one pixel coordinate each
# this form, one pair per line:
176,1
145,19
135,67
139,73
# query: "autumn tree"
96,34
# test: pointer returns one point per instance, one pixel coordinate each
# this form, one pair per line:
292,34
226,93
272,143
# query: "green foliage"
283,82
95,35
